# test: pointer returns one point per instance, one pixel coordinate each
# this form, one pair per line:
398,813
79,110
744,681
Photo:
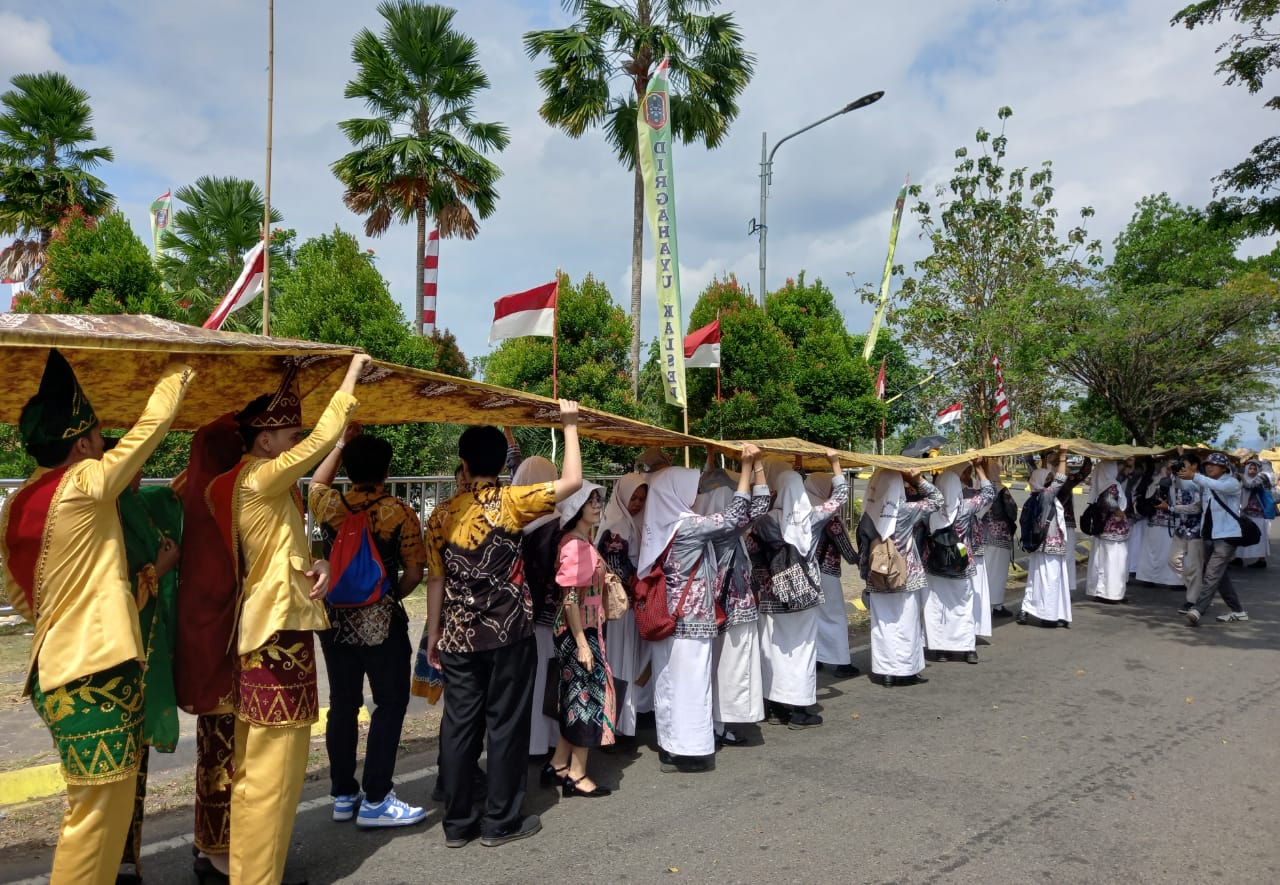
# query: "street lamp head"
872,98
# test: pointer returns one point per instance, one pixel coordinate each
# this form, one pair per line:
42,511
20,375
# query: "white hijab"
533,471
671,494
618,519
1036,483
792,510
1104,475
886,492
952,492
774,466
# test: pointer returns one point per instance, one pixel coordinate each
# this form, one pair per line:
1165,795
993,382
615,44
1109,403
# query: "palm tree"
45,128
709,70
202,251
421,153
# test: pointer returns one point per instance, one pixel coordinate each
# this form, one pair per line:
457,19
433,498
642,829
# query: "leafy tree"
995,253
202,252
45,158
421,153
624,43
900,377
1252,54
333,292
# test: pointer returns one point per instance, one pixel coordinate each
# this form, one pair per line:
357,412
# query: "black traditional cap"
59,410
283,409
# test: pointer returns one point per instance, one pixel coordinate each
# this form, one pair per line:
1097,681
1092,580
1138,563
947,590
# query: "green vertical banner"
161,210
883,304
654,144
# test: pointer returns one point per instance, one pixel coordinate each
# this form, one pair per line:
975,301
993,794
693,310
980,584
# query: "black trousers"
486,691
389,668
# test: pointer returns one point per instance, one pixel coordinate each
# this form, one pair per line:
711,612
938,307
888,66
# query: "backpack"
539,552
357,575
653,616
1008,509
887,572
1268,502
1093,520
1031,523
944,554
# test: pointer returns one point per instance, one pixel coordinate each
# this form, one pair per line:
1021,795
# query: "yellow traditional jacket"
86,620
273,539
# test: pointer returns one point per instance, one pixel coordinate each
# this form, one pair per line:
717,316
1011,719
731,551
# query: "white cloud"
1123,104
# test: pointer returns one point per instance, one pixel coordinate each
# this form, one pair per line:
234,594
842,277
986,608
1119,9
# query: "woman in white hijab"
1049,575
1153,566
1256,484
544,731
788,537
897,647
834,544
950,628
619,546
1109,557
999,525
737,693
683,543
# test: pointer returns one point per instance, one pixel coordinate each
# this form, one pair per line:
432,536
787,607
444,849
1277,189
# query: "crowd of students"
546,626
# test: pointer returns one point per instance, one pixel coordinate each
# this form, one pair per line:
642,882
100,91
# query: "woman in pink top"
586,685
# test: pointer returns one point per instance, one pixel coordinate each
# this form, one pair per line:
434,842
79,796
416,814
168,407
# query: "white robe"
628,656
833,623
682,696
948,615
1048,595
789,657
737,689
1108,569
1153,563
1137,534
997,561
981,597
897,646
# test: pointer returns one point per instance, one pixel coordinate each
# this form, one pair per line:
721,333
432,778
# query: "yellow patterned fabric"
96,723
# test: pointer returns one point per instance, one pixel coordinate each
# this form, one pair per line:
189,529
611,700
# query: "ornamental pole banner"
654,147
161,211
430,275
870,343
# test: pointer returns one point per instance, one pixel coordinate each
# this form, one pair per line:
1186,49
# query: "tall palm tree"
421,153
202,251
626,41
45,158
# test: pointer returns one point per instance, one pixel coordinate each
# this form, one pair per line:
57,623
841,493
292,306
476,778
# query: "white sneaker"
344,807
390,812
1233,616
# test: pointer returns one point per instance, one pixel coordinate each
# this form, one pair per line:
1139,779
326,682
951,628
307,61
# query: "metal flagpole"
266,202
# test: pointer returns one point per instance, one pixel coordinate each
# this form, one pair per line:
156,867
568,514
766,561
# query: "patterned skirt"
586,699
96,723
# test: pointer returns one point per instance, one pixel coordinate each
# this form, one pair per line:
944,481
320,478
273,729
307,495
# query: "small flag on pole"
525,313
161,210
1003,420
247,287
880,380
702,347
430,271
949,414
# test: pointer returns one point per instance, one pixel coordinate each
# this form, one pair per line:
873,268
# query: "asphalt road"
1129,748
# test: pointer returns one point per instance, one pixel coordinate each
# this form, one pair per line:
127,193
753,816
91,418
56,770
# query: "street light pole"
766,175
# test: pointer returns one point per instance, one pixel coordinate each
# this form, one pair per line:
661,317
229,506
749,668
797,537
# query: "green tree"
1252,54
45,158
994,255
202,252
624,43
332,291
97,265
421,154
901,376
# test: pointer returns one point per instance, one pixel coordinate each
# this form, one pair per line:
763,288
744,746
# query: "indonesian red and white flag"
880,380
430,276
525,313
949,414
247,287
702,347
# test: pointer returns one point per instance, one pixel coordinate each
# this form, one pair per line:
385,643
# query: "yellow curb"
318,728
859,604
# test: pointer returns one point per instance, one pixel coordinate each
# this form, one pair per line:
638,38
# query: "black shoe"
780,713
971,657
910,680
847,671
207,873
571,789
804,719
1237,561
730,738
461,840
1065,625
693,764
1261,563
1049,625
552,777
129,876
1001,612
1022,617
530,825
889,681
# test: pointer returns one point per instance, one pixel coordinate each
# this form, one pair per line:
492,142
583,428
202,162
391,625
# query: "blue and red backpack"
357,574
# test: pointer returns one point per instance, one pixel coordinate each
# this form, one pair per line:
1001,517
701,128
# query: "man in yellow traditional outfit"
259,512
65,571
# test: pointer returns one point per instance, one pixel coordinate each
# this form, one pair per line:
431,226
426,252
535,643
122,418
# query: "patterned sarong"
96,723
215,758
277,683
586,699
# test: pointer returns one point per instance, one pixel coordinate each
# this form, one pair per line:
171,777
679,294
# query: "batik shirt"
1184,503
474,541
834,545
1055,540
1116,527
734,565
979,499
996,530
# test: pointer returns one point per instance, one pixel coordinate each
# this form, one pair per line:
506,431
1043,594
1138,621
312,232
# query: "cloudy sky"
1123,105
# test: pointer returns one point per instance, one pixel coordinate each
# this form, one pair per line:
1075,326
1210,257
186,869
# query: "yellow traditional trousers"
94,830
270,765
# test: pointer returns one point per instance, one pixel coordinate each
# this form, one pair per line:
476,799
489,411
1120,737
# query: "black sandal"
552,777
571,788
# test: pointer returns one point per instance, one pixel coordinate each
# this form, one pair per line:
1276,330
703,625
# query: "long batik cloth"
96,723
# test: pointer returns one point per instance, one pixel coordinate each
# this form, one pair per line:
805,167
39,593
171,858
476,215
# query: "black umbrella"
921,447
